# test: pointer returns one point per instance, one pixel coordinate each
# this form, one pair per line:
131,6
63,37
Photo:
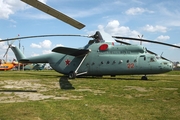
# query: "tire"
144,78
72,75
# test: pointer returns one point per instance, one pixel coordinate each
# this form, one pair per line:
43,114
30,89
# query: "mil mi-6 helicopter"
98,57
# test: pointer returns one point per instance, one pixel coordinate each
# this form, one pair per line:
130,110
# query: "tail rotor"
9,46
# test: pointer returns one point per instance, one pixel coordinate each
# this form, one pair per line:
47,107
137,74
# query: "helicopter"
4,65
36,66
98,57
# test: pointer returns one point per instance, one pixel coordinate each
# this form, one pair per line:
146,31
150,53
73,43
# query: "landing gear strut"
73,74
144,77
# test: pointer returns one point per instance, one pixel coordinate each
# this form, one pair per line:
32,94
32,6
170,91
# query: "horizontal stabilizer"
71,51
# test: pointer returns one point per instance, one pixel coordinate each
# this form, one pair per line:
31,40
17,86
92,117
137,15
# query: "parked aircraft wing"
45,8
71,51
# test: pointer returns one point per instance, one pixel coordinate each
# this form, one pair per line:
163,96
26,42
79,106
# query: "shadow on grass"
45,75
65,84
18,90
128,78
106,77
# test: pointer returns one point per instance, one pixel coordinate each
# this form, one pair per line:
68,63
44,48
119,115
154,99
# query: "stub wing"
71,51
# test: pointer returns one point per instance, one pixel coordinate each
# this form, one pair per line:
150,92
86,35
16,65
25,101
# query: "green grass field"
38,95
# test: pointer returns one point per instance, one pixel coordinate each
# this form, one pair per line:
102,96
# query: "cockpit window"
165,63
152,59
157,57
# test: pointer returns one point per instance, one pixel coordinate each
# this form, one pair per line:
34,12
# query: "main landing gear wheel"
72,75
144,77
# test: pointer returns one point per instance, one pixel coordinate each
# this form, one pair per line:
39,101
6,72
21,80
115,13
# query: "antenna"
140,37
161,54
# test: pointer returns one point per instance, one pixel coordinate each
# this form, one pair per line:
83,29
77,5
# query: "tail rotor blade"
9,45
6,51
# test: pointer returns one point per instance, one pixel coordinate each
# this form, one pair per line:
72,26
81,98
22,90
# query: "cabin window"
135,60
127,61
120,61
143,56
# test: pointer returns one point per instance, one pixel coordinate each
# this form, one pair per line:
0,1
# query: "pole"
19,48
23,53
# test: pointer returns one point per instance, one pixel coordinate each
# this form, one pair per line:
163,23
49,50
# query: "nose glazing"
167,66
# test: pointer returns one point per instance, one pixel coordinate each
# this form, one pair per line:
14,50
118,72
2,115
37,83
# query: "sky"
157,20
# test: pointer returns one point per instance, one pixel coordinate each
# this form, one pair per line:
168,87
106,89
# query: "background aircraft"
98,57
35,66
7,65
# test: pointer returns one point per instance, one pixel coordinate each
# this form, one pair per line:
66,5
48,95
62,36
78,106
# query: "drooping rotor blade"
146,50
137,39
151,52
130,44
122,42
43,7
166,59
40,36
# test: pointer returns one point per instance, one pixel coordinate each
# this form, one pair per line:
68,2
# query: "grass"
120,98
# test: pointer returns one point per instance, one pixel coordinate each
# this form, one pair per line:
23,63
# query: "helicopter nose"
167,66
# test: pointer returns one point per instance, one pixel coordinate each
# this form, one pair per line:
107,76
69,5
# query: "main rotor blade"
122,42
166,59
45,8
137,39
146,49
17,38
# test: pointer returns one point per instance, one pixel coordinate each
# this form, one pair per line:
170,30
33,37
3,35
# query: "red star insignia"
67,62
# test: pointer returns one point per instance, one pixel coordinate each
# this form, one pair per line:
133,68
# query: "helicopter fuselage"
103,58
113,60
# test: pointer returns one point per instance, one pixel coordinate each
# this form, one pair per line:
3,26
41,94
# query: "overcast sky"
154,19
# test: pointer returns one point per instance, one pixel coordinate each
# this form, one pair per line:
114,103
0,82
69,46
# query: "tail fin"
19,55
